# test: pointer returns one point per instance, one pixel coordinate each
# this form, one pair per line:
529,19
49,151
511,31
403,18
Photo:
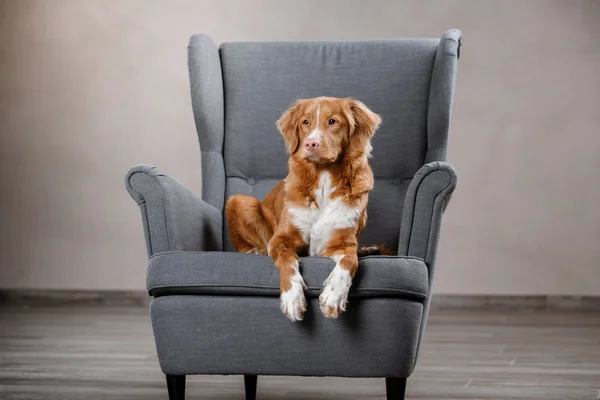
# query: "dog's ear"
363,124
289,128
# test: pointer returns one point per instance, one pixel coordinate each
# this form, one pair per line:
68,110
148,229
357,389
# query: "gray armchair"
215,311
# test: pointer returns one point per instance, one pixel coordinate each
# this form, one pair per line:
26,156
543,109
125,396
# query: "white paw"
293,302
334,297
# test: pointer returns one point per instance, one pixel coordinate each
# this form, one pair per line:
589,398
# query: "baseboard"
41,298
510,302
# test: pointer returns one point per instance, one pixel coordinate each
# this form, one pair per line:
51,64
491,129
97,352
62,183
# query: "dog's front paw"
334,297
292,301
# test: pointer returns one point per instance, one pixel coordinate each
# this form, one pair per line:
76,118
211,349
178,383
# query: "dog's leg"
341,248
250,230
282,249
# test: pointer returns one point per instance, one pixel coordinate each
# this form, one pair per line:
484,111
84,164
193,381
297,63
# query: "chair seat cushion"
229,273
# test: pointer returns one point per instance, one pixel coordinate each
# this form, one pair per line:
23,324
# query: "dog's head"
323,129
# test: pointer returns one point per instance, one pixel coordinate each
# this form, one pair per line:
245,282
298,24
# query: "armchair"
215,311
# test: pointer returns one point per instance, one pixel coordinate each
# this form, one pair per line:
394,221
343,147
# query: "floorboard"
100,352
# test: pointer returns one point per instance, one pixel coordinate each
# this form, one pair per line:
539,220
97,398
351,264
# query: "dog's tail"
378,250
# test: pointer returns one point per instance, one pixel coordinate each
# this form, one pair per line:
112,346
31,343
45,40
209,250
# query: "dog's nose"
311,144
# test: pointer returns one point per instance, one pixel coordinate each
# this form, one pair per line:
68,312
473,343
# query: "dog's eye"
305,122
331,121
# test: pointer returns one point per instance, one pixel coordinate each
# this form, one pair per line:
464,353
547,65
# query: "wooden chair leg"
176,387
395,388
250,383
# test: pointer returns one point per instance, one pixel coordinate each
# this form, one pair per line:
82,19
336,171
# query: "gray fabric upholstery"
428,195
230,273
173,218
206,83
232,323
262,79
391,76
441,94
248,335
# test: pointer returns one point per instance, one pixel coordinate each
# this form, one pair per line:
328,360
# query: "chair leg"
395,388
176,387
250,383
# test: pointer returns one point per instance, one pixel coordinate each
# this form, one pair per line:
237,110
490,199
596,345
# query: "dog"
320,207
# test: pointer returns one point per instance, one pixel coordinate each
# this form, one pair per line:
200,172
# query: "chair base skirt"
248,335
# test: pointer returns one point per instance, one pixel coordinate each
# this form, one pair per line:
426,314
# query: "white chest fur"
325,215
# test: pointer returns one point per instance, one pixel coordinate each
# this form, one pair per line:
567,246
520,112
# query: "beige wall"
88,88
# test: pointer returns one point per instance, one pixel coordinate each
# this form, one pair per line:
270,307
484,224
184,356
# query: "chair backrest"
409,82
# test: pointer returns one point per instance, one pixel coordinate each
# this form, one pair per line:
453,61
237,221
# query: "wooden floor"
108,353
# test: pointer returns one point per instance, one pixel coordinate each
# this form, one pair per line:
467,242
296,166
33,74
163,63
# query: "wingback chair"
215,311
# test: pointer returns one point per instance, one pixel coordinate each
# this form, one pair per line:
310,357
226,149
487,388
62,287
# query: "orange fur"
345,127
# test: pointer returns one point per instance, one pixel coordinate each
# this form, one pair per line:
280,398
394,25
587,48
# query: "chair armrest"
426,200
173,217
